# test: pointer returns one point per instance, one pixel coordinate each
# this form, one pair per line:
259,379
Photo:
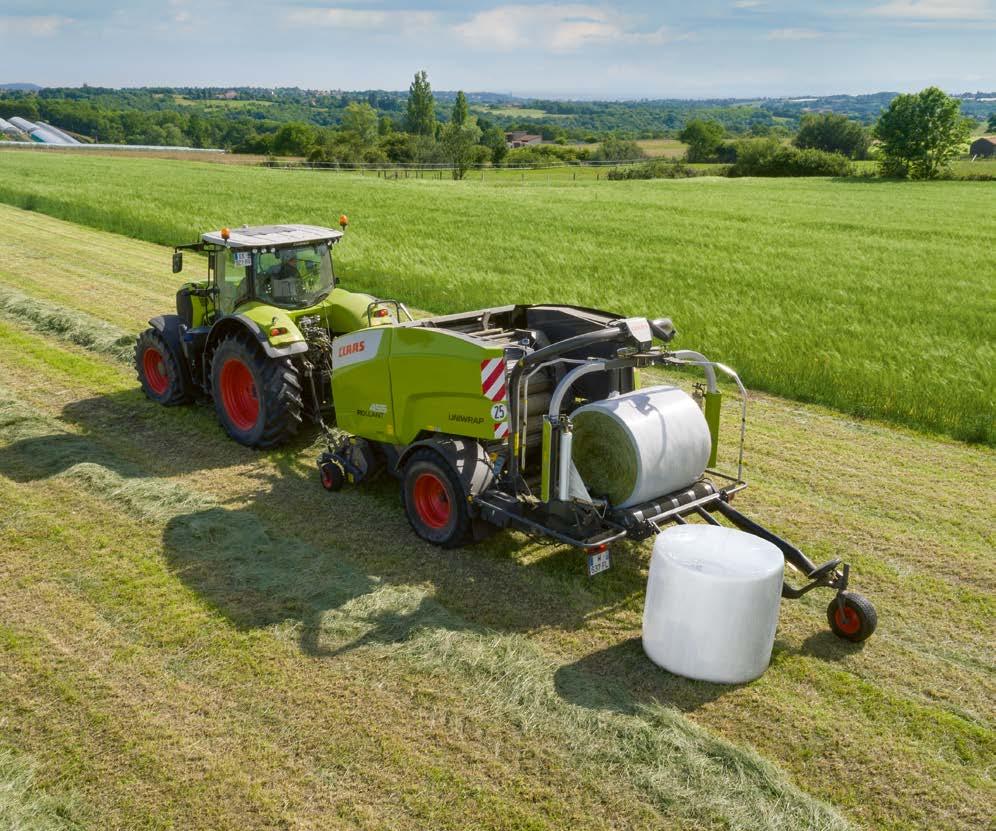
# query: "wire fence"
437,170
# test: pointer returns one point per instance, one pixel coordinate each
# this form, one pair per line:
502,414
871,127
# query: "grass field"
664,148
876,298
196,635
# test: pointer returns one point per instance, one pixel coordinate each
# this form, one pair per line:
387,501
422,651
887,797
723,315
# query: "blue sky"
703,48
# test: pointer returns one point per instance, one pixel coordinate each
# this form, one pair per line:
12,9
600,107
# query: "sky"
617,50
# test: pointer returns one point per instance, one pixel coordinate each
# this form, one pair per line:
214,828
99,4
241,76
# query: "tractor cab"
256,335
287,266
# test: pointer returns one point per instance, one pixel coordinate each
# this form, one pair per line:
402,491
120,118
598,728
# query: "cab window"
232,284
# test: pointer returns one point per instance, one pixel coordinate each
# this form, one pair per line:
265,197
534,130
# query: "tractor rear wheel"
257,398
435,500
161,371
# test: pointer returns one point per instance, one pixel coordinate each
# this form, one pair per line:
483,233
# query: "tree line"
916,136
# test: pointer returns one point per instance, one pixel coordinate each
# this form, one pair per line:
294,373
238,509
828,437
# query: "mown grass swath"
681,770
183,587
870,297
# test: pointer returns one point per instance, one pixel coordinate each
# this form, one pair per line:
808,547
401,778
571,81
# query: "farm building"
520,138
983,146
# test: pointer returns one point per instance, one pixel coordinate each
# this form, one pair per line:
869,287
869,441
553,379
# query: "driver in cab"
287,269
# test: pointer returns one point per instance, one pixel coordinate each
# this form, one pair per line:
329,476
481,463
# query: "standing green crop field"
876,298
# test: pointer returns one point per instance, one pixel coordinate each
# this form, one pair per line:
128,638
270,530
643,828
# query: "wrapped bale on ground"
640,445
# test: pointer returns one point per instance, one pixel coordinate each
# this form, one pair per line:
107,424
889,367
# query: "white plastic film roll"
640,445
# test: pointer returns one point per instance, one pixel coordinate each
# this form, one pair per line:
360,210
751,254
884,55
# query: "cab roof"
272,236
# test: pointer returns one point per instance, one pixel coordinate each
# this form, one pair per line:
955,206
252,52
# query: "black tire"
858,620
332,474
161,372
435,501
258,399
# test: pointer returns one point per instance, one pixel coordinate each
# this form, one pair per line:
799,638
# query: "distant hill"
22,87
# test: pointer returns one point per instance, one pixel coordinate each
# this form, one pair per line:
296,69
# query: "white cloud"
341,18
794,34
552,27
38,25
748,4
935,9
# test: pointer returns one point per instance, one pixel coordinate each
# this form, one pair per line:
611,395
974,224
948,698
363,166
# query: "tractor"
255,335
532,417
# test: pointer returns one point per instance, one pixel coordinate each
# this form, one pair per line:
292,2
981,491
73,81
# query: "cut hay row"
682,770
912,714
23,805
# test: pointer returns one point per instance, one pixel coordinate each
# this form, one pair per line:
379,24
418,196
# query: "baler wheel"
332,474
853,620
435,500
160,371
257,398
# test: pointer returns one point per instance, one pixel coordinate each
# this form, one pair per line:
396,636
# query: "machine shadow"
162,433
260,567
622,679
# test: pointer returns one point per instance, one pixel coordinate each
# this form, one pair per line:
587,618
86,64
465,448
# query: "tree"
494,139
459,115
295,138
991,126
420,118
921,133
703,138
361,119
615,149
459,145
834,133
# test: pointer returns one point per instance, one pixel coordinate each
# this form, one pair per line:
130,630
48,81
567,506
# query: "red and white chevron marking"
501,429
493,379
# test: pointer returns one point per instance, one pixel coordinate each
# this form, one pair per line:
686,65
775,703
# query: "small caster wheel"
333,475
855,619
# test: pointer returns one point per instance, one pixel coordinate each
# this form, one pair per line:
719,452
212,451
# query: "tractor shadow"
292,554
259,576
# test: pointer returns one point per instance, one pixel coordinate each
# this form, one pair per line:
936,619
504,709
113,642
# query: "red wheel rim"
848,621
238,394
154,369
431,500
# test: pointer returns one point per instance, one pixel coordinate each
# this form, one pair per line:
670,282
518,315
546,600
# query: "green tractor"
256,334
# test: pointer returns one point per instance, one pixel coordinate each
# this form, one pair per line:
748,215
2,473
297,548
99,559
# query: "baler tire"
258,399
332,475
434,500
858,620
161,371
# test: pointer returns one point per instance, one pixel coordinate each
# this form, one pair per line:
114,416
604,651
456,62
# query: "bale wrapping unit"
531,417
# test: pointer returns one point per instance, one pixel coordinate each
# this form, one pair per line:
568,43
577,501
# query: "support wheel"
161,372
332,474
258,399
435,500
856,621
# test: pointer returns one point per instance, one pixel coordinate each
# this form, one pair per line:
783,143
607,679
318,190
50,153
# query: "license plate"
598,562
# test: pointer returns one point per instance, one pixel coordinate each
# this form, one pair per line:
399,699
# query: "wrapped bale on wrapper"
640,445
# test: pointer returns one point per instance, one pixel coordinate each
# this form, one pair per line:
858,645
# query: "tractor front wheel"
160,370
257,398
435,500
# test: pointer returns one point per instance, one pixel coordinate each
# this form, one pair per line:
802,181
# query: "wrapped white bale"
713,596
640,445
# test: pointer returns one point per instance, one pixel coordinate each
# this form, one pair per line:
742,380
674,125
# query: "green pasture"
876,298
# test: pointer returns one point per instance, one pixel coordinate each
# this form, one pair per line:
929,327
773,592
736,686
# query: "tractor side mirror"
177,262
